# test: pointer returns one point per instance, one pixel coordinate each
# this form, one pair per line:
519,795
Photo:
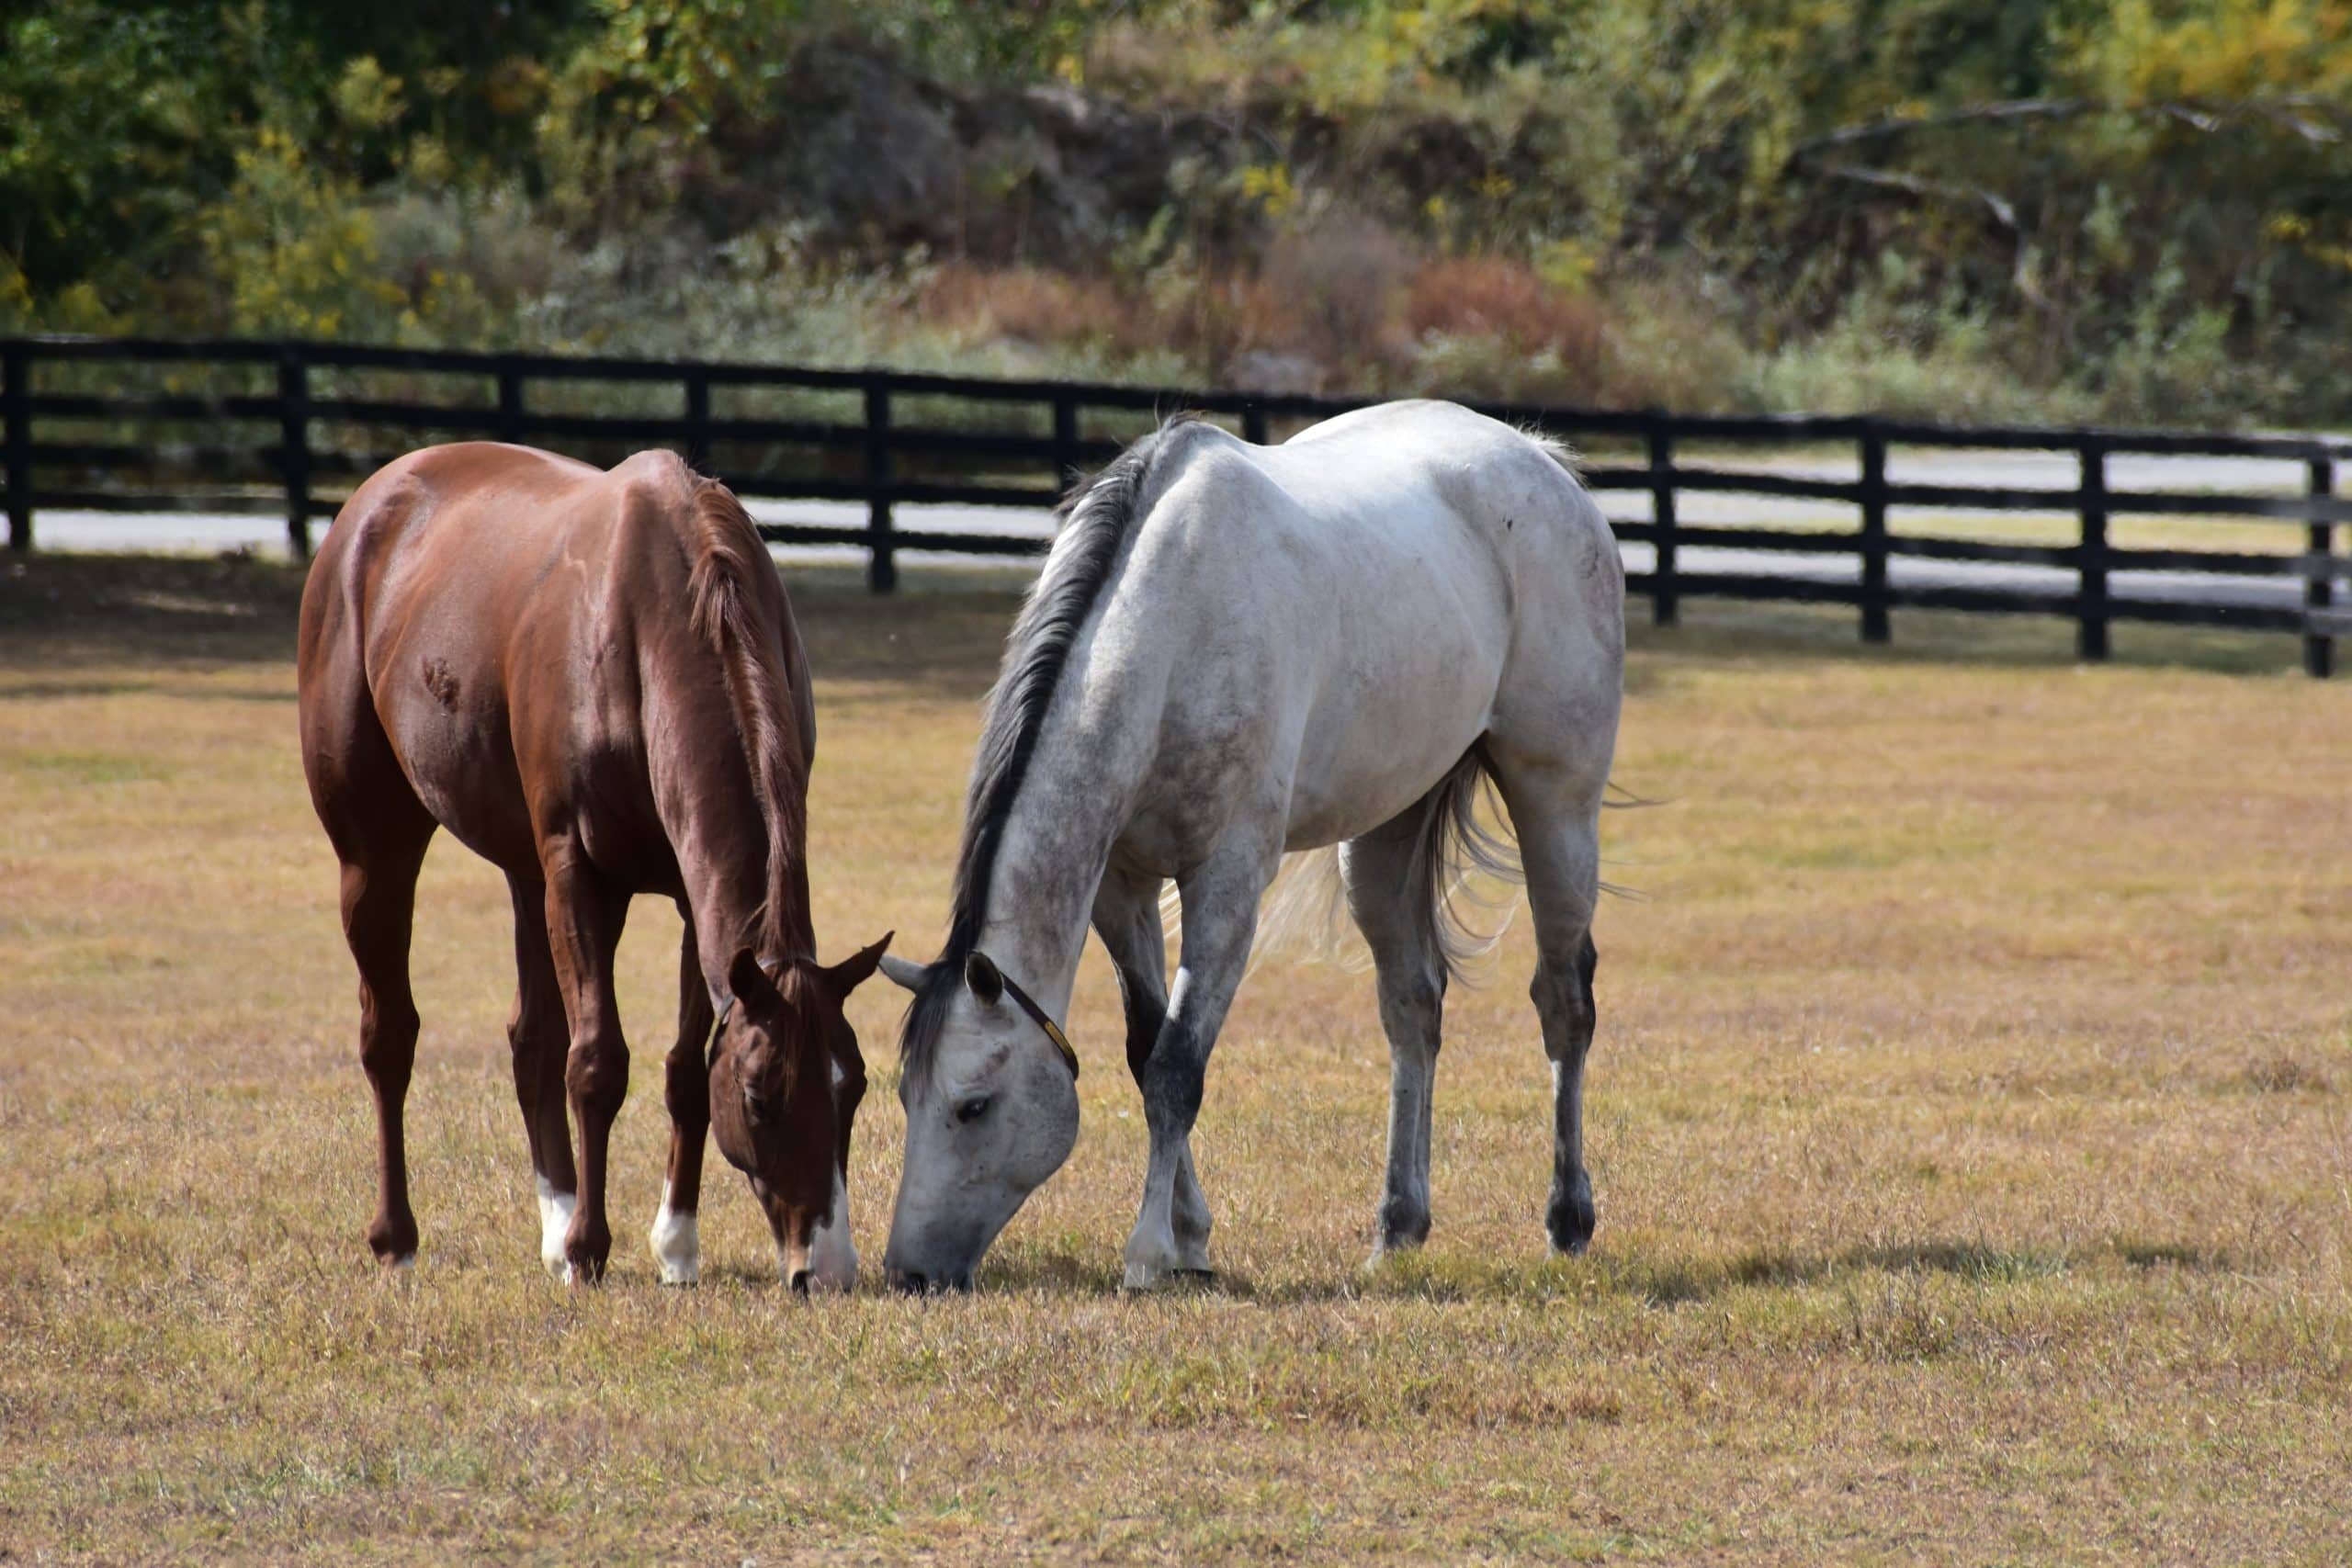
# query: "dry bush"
1499,297
1213,319
1223,319
1670,345
1033,304
1335,278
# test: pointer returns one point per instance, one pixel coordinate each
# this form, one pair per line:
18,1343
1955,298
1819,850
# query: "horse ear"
904,972
983,975
748,980
857,968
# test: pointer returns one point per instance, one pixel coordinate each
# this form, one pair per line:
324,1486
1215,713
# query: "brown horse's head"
786,1079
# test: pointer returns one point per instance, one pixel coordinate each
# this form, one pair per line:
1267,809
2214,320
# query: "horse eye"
973,1109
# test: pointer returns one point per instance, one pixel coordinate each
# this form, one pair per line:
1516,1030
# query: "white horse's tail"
1464,858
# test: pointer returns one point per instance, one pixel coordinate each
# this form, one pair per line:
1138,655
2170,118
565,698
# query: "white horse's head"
991,1090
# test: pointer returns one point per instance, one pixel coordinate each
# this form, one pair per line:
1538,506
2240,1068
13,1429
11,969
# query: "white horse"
1236,651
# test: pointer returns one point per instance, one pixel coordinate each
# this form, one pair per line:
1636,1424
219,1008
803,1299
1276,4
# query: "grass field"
1971,1114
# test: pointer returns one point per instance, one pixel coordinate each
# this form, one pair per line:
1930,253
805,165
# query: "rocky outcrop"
875,157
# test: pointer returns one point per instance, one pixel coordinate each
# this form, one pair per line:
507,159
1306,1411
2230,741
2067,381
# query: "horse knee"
1172,1080
595,1075
685,1086
388,1029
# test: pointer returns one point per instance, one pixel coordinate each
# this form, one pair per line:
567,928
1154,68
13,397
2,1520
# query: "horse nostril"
800,1281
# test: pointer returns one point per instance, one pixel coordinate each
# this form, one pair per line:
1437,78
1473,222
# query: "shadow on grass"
942,633
1728,631
1660,1282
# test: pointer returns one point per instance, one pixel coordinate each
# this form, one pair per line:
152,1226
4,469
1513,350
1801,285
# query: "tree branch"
1997,208
2300,113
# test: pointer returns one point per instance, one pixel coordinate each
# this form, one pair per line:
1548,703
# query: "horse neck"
1049,866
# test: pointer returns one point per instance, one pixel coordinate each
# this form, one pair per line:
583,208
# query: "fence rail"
81,418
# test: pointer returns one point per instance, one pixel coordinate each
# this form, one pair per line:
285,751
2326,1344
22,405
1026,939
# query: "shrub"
1562,338
1333,280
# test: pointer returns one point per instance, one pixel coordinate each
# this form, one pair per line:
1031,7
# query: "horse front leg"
585,918
536,1034
676,1235
1220,919
1126,917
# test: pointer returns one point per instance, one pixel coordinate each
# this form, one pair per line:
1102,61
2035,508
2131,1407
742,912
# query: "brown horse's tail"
732,617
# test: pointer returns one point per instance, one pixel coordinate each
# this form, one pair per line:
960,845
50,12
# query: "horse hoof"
1570,1223
1153,1276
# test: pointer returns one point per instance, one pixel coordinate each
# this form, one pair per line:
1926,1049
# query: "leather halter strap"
771,967
718,1021
1028,1004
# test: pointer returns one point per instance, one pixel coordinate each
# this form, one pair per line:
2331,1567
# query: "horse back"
483,606
1416,560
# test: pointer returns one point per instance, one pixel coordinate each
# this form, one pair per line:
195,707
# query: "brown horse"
593,681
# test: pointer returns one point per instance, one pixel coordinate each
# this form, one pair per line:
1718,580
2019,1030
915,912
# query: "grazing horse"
593,681
1236,651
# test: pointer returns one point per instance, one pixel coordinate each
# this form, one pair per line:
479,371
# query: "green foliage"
2119,207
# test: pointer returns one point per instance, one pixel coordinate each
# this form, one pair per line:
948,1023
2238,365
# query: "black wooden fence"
113,425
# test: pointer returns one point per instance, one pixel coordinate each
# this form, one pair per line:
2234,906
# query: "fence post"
2318,588
2091,633
1065,441
697,421
1664,603
510,405
1253,423
882,567
294,445
17,408
1875,605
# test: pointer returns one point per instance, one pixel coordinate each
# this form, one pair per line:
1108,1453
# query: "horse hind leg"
1386,874
1556,810
379,907
379,831
535,1033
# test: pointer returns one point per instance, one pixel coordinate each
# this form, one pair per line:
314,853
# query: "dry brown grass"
1968,1116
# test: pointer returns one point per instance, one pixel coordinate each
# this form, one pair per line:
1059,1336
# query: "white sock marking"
677,1244
555,1218
833,1252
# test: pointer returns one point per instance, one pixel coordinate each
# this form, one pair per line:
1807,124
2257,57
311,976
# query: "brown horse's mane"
731,616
